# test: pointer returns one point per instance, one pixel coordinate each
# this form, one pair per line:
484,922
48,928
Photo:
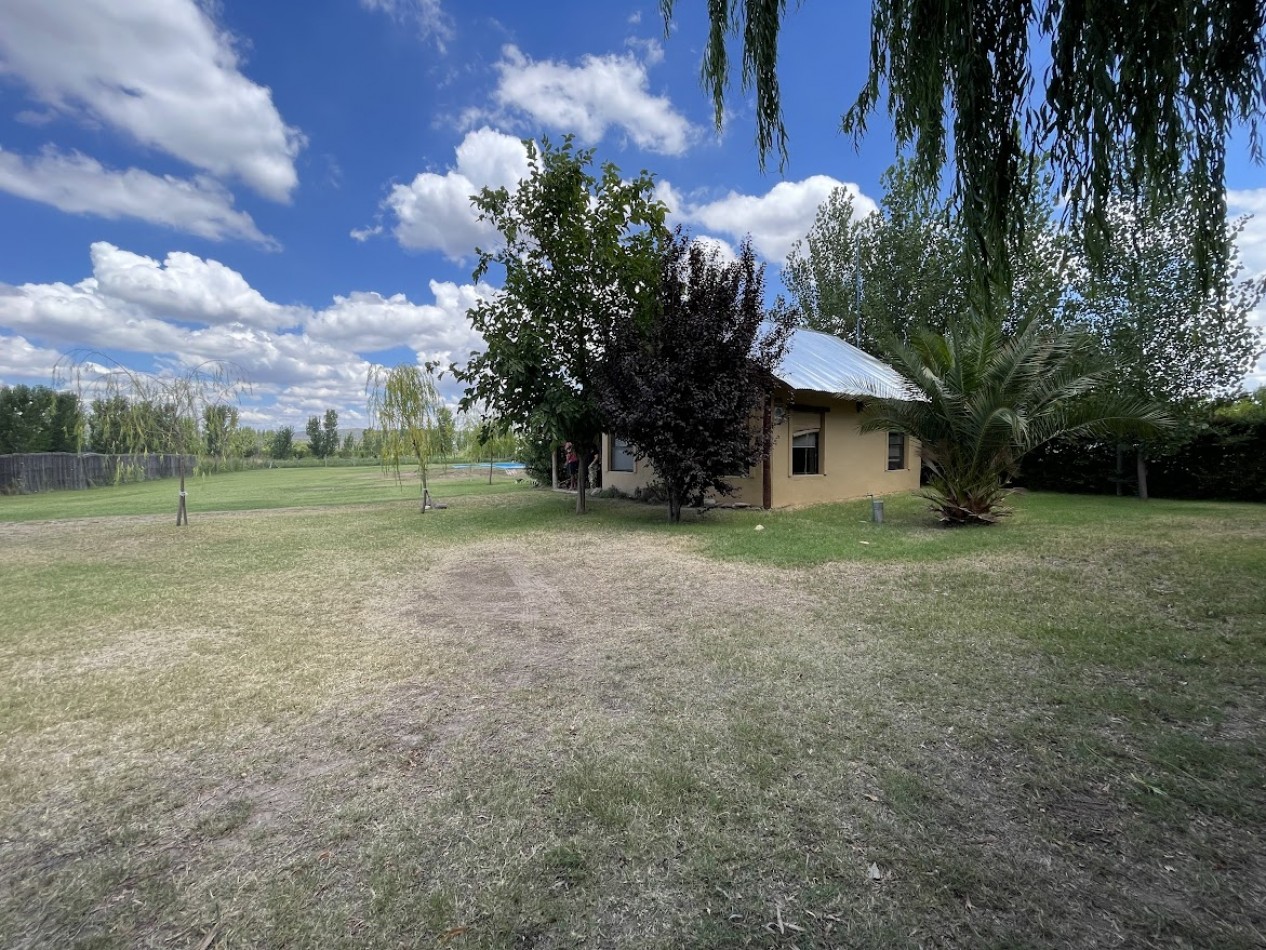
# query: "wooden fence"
54,471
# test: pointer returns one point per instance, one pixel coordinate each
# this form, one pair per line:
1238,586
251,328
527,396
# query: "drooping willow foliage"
137,413
403,407
1132,96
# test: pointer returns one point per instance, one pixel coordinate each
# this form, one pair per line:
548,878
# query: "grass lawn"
258,488
319,718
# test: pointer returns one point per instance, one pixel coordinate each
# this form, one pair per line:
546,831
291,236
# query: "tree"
280,443
684,382
906,265
316,442
493,439
27,419
982,399
371,443
403,403
1173,340
866,279
578,252
1250,407
219,424
67,423
329,433
1130,94
137,413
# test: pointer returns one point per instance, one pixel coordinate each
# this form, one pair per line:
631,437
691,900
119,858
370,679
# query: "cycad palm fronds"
983,399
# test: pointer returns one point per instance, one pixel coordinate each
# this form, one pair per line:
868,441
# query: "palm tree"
982,398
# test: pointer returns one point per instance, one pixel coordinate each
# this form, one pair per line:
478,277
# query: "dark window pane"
804,453
896,451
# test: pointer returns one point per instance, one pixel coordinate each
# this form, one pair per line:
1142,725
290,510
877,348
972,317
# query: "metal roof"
826,364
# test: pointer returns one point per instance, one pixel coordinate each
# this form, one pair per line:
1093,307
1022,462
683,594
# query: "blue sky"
285,185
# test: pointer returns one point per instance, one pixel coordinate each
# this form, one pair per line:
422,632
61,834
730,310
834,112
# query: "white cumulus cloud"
186,287
775,220
159,71
77,184
186,310
369,321
22,360
433,212
602,93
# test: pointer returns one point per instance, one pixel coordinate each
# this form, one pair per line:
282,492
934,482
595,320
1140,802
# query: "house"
814,414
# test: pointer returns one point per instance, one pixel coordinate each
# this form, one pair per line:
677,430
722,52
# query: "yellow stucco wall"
626,482
852,464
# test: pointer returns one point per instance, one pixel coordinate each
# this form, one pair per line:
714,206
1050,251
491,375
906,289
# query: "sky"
285,186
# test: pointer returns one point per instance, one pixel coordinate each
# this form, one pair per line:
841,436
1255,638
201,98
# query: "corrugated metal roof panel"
827,364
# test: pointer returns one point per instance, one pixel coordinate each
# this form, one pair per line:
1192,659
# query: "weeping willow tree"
139,413
404,407
1129,96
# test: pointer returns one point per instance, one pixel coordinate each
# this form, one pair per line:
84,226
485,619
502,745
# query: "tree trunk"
490,458
582,496
674,506
1141,463
1120,469
426,493
553,465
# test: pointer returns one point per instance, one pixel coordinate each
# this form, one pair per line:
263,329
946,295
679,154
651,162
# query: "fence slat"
32,472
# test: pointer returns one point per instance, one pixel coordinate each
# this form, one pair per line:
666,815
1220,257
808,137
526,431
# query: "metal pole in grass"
876,510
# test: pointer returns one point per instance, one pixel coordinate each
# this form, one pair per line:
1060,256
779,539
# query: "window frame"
627,451
903,453
816,450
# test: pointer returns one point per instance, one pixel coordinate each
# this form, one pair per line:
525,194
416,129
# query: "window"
622,458
804,452
896,451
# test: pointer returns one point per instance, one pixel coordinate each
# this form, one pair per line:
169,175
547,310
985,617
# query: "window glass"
622,458
896,451
804,452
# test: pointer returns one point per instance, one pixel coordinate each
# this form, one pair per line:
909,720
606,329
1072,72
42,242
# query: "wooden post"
182,513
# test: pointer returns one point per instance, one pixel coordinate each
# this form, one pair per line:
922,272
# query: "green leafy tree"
244,443
403,407
370,443
493,440
67,423
1114,92
349,446
578,251
445,431
280,443
1250,407
329,433
906,265
316,441
982,398
219,424
683,382
1173,339
869,278
26,419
